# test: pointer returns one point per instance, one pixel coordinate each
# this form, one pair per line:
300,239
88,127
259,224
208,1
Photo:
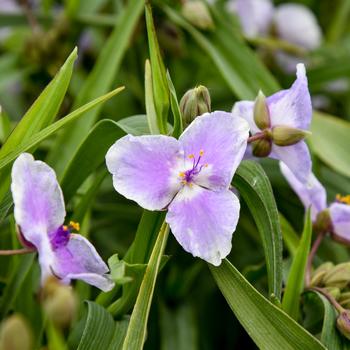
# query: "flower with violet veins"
190,177
39,212
280,123
334,218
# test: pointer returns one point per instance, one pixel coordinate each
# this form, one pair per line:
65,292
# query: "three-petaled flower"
334,218
287,117
39,212
190,177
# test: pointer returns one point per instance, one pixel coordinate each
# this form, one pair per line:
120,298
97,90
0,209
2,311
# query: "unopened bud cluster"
280,135
335,279
59,303
195,102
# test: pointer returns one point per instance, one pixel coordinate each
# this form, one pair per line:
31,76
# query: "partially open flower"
334,218
190,177
39,213
282,119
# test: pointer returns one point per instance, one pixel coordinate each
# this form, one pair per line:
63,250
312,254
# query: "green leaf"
266,324
159,80
136,333
44,109
14,284
295,282
149,100
175,108
40,114
101,331
330,141
98,82
330,336
49,130
233,58
255,188
88,157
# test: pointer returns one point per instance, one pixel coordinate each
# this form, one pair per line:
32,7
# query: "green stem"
17,251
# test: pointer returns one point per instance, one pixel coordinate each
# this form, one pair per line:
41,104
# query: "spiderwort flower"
334,218
190,177
281,121
39,212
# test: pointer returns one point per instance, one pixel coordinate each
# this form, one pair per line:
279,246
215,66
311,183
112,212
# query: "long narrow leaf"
267,325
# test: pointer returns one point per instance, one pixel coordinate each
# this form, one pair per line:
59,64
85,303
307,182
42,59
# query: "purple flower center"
61,237
188,175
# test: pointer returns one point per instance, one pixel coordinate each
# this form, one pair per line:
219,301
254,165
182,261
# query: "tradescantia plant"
179,202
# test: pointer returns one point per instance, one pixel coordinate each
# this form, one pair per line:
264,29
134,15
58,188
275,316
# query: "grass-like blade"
266,324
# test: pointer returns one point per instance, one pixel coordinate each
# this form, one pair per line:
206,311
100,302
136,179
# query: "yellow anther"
343,199
181,174
184,182
191,156
74,225
205,165
201,152
65,227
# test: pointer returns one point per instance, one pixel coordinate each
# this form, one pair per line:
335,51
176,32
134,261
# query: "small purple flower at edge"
189,177
39,212
287,113
334,218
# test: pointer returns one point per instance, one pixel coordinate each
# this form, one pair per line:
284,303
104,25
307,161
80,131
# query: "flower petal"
340,216
292,107
298,25
245,110
203,221
311,193
255,16
78,259
37,196
223,140
296,157
39,206
144,169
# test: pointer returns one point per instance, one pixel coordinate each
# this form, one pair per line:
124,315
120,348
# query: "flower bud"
344,299
59,303
323,222
319,273
15,334
195,102
286,135
261,112
339,276
343,323
333,291
197,13
261,148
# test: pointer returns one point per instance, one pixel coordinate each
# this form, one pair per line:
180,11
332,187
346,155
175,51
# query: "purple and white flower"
189,177
287,108
40,212
312,194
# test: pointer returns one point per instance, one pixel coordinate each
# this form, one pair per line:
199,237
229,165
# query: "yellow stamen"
343,199
205,165
201,152
191,156
181,174
65,227
75,225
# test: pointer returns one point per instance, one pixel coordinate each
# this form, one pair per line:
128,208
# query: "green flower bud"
344,296
339,276
261,148
59,303
323,222
197,13
343,323
286,135
15,334
333,291
261,112
319,273
195,102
